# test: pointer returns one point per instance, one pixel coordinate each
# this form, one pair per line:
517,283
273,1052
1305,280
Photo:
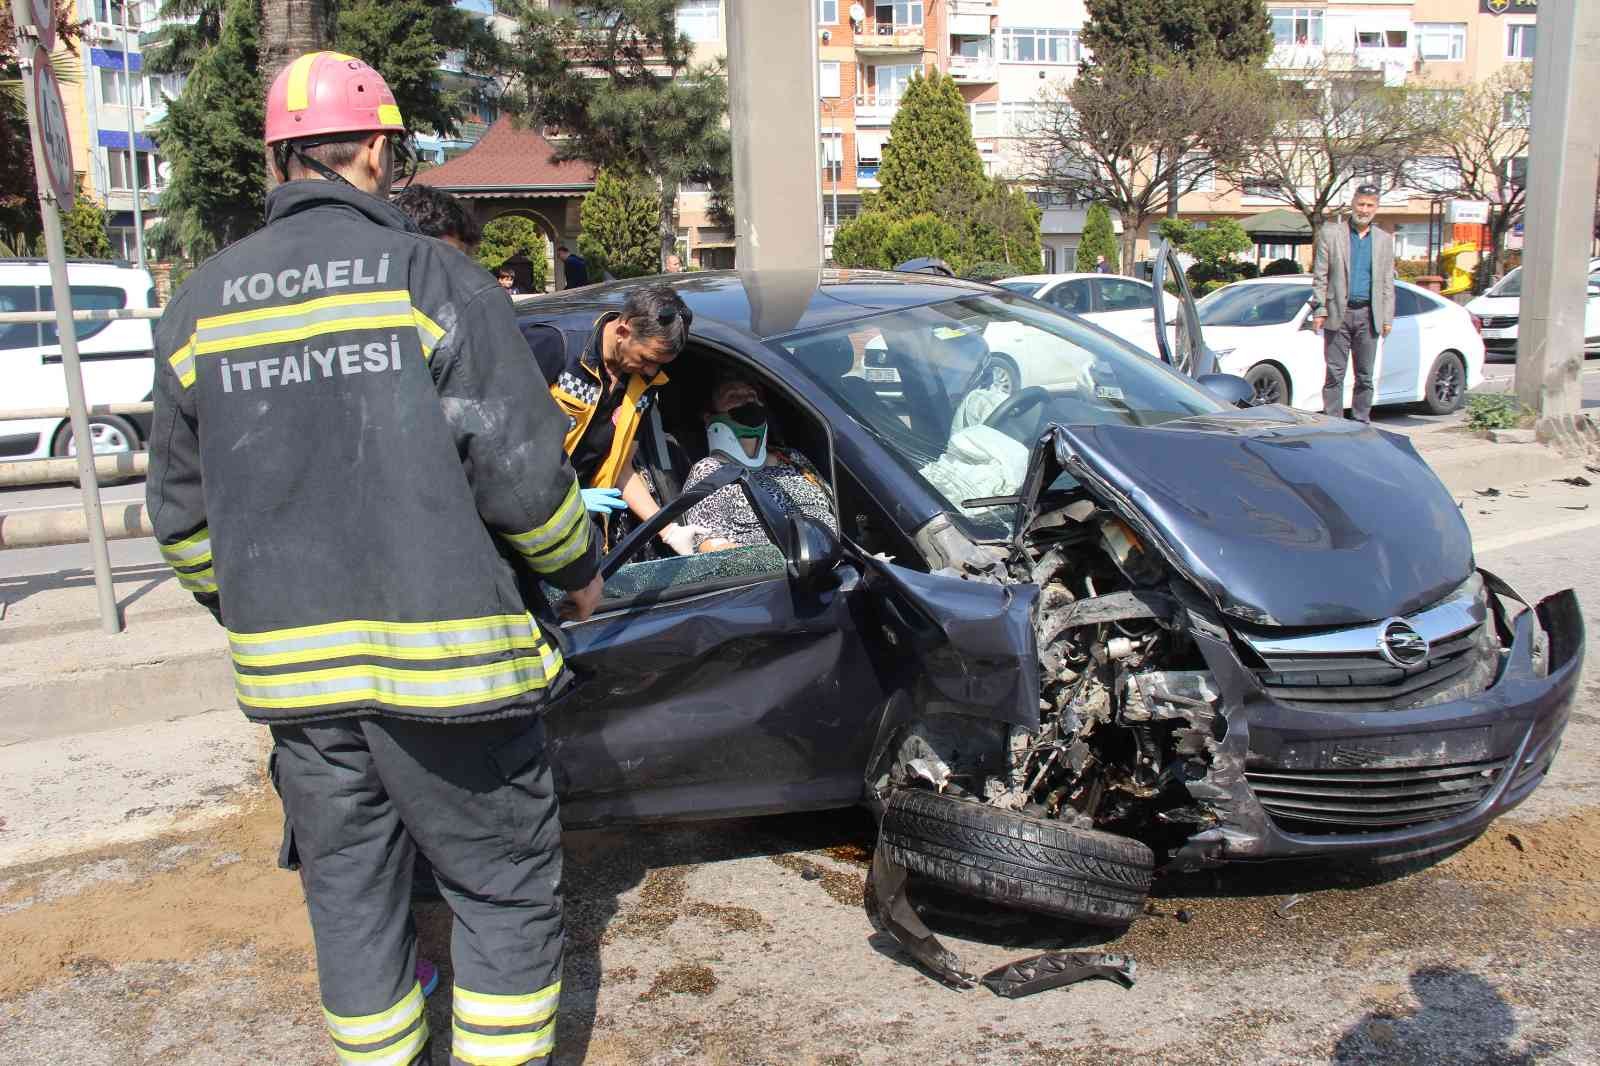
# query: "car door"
713,685
1407,353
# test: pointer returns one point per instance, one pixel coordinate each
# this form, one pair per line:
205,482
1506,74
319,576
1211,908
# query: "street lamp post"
133,148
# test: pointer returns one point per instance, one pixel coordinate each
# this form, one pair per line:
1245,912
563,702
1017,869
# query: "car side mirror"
1594,290
1231,389
1308,324
814,550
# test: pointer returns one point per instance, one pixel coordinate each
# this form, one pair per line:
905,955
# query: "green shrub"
989,271
858,242
1280,268
1496,410
1411,269
923,235
620,232
511,235
1098,239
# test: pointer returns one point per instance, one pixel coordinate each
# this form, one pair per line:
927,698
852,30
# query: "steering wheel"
1032,396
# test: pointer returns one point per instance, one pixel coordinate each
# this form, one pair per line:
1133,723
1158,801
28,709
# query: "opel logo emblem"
1400,644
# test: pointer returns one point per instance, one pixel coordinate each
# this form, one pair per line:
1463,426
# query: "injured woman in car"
739,430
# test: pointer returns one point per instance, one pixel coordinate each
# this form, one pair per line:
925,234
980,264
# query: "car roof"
82,271
763,304
1046,279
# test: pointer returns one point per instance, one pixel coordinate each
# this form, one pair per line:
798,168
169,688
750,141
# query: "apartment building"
1449,44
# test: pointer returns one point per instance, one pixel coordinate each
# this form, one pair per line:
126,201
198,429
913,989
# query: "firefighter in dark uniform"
347,431
604,379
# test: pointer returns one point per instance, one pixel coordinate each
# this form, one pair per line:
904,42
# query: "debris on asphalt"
1488,492
1185,917
1283,908
1054,969
889,911
810,873
1577,507
1580,481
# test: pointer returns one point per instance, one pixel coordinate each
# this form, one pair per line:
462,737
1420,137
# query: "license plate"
1496,334
883,374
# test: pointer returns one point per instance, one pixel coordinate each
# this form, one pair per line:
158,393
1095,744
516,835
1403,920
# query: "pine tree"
924,235
513,235
930,159
616,77
83,230
1098,239
619,228
1234,31
212,132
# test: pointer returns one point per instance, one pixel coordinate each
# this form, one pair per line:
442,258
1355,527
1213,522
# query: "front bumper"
1493,747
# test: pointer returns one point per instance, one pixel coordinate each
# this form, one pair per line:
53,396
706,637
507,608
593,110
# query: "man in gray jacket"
1352,300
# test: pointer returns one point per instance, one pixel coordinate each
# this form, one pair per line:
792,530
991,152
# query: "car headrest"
830,357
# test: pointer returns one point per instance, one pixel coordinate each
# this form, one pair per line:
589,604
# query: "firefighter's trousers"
360,796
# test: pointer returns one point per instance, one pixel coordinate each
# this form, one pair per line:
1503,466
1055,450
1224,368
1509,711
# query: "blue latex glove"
603,501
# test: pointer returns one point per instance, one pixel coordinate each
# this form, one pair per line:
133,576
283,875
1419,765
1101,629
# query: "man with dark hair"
438,214
1352,301
603,376
310,378
507,280
573,265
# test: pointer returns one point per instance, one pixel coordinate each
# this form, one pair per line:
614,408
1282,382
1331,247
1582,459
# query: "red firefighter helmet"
323,94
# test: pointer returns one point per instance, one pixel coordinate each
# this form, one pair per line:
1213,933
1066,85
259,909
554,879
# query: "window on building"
114,89
111,11
985,120
902,14
117,170
832,156
1411,239
890,80
1040,44
1199,172
1520,41
1442,42
1516,171
1514,109
1396,39
827,12
828,81
1297,27
1433,173
700,20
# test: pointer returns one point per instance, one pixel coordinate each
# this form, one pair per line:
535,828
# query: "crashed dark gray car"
1087,618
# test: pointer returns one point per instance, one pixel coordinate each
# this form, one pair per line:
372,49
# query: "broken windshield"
960,392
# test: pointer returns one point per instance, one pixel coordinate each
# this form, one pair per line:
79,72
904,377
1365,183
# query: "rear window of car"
1253,305
18,335
1408,302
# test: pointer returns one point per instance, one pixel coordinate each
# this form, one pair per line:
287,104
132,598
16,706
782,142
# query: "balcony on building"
873,110
891,27
972,61
972,18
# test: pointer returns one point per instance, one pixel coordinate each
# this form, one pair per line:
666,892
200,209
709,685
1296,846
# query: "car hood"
1282,518
1495,305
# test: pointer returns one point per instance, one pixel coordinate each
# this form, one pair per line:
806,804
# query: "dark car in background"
1071,631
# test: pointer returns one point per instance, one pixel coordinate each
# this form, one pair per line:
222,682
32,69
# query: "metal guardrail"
61,412
66,525
48,318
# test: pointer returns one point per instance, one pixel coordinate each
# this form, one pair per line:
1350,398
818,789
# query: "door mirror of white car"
1594,290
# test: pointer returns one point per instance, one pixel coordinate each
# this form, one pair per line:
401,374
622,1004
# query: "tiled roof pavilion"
512,171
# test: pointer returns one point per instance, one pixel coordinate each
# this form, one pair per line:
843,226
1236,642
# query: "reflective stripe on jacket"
348,431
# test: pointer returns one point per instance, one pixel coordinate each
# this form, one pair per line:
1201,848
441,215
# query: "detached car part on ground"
1144,628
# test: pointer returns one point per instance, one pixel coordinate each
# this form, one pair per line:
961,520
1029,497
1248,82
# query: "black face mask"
753,414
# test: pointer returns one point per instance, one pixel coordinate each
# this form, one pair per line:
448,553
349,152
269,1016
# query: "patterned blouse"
792,481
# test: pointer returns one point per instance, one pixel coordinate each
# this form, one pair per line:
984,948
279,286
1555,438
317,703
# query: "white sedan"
1261,330
1500,310
1117,304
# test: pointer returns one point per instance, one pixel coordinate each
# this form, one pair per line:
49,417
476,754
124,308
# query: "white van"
118,357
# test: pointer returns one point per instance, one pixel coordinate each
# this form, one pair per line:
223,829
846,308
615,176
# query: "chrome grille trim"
1457,614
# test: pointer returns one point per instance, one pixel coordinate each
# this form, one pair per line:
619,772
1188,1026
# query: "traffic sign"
55,155
41,15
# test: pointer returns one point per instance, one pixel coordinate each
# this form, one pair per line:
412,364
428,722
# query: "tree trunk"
1130,242
290,28
669,220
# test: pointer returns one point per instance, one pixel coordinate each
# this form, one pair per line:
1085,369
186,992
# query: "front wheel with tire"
1446,387
1268,383
1004,377
1012,859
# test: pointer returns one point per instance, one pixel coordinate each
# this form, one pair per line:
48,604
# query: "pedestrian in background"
1352,301
438,214
573,265
1101,266
324,479
508,281
674,264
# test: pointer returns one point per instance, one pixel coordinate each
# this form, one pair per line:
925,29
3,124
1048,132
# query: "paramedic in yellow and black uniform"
604,378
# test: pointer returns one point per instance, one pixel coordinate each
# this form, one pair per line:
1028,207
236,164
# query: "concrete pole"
1560,216
133,147
772,107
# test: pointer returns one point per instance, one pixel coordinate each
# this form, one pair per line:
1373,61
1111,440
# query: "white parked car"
1500,308
1116,303
117,357
1260,330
